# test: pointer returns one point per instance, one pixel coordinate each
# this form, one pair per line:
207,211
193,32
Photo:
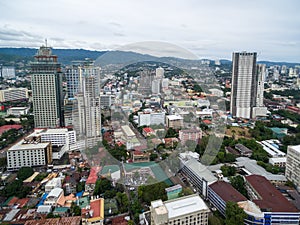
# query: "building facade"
244,84
292,170
47,95
187,210
28,153
13,94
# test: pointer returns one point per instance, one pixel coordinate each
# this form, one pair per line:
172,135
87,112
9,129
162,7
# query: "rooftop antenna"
46,42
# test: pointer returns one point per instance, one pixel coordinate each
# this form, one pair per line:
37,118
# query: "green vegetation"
289,115
75,210
24,173
268,167
238,183
152,192
234,214
80,186
123,202
9,137
15,188
228,171
260,132
102,185
40,176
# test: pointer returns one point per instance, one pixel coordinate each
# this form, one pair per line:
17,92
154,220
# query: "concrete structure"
105,100
94,214
151,118
220,192
174,121
73,80
247,86
278,161
273,207
156,86
138,156
88,103
29,152
243,150
187,210
198,175
57,137
53,183
74,220
54,196
292,171
8,72
173,191
92,179
191,135
17,111
47,95
159,73
13,94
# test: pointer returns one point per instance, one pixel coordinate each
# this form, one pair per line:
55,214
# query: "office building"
292,170
156,86
17,111
247,86
72,79
29,152
47,95
145,81
187,210
13,94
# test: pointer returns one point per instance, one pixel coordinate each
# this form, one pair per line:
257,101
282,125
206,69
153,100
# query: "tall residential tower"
47,95
247,86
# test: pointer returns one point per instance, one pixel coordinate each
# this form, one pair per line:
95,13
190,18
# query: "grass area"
238,132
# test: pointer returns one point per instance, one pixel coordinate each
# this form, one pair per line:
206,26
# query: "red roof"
9,127
93,175
22,202
206,121
96,207
227,192
270,198
13,201
148,130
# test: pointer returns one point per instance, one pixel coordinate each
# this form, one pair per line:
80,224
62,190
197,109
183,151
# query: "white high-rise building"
47,95
159,73
8,72
88,104
292,170
261,74
246,86
155,86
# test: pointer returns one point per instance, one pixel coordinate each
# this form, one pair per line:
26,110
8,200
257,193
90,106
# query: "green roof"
110,169
7,201
61,209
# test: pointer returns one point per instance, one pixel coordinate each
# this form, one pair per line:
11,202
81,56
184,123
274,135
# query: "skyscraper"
88,104
243,84
47,95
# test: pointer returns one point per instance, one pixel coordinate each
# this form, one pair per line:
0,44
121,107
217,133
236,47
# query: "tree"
24,173
239,184
80,186
123,202
228,171
102,185
75,209
152,192
234,214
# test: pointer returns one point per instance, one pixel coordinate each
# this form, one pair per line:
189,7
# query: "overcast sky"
211,28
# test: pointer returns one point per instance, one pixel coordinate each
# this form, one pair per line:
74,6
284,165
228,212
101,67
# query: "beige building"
29,152
174,121
187,210
292,171
12,94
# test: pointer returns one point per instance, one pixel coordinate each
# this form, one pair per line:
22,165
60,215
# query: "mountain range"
66,56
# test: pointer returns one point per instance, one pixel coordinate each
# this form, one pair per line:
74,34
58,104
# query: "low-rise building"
185,210
292,171
94,214
278,161
53,183
139,156
174,121
29,152
92,179
54,196
13,94
17,111
190,135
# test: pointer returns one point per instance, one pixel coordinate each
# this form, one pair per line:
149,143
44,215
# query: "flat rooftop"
186,205
22,146
270,198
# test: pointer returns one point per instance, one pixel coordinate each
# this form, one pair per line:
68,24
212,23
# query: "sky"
208,29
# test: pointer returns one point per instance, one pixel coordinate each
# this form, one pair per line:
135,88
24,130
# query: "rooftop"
227,192
97,205
93,175
270,198
174,117
56,192
22,146
185,205
76,220
9,127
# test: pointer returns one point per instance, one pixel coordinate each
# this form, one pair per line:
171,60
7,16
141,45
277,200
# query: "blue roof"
79,194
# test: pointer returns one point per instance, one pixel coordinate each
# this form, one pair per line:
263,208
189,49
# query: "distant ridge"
66,56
